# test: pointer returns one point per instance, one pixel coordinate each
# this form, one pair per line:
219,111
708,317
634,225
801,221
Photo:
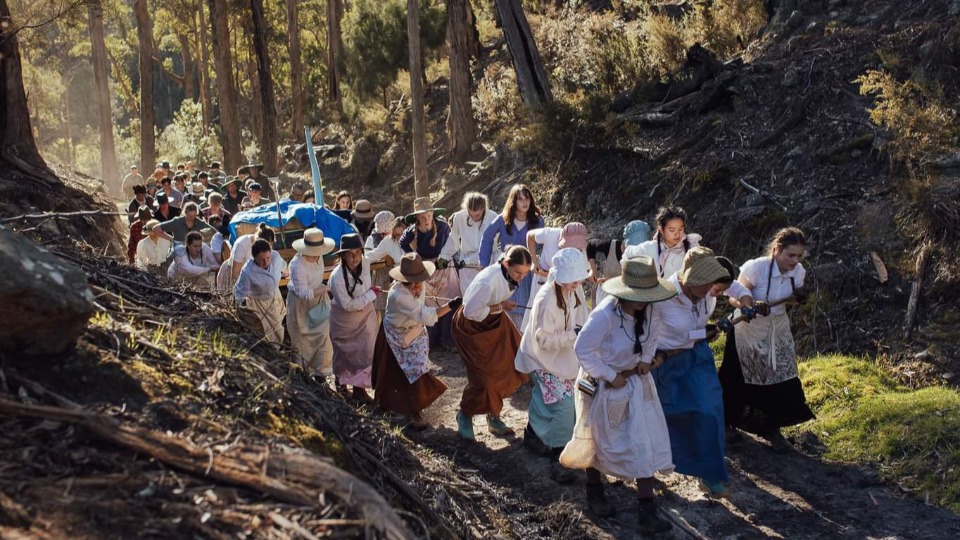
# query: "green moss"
864,416
309,438
150,378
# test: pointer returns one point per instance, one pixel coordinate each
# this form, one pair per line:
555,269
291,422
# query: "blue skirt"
552,423
692,402
521,295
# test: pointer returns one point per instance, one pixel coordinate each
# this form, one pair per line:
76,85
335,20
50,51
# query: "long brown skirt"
392,391
488,350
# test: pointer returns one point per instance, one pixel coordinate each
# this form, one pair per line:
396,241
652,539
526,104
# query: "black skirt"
759,408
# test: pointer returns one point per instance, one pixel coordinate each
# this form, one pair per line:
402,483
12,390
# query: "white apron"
766,349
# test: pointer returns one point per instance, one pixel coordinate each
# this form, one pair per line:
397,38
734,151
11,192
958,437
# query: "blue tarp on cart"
308,214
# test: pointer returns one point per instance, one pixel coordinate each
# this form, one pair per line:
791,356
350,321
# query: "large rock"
44,301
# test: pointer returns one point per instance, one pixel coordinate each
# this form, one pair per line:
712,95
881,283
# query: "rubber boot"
597,501
648,519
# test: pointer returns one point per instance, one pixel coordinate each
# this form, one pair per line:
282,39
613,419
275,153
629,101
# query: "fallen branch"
762,193
296,478
58,215
794,119
922,261
696,143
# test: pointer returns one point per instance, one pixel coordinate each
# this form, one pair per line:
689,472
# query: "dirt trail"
797,495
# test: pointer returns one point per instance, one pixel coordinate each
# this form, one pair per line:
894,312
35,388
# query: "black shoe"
648,519
597,501
778,443
534,444
561,474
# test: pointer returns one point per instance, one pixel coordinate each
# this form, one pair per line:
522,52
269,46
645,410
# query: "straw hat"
571,265
363,210
573,235
639,282
421,205
151,224
198,189
383,221
232,180
313,243
412,269
350,241
700,267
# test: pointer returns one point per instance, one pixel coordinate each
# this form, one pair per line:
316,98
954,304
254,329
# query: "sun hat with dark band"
420,206
412,269
700,267
640,282
363,210
314,244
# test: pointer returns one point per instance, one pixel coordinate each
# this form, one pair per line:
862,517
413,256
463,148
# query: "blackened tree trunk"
268,128
205,105
19,156
334,53
296,76
108,155
226,91
531,75
148,152
460,125
421,178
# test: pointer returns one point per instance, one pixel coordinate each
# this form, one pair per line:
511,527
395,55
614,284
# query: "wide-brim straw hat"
412,269
348,242
701,267
363,210
232,180
420,206
640,282
151,224
314,244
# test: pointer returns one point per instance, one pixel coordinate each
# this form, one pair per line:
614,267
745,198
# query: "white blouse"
605,344
363,293
405,311
487,290
548,343
259,283
305,277
684,322
150,253
465,236
183,266
387,246
758,275
668,260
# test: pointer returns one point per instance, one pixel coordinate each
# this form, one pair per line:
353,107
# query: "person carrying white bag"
621,430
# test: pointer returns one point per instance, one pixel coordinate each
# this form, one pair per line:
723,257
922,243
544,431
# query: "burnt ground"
797,495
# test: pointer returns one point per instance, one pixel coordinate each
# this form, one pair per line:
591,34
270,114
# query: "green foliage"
375,41
864,416
187,138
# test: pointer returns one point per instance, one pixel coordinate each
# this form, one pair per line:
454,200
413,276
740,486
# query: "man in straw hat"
620,429
138,232
232,194
488,342
254,173
547,356
308,304
427,236
363,216
353,320
401,363
687,382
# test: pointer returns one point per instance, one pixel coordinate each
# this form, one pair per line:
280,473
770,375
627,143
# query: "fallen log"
915,290
59,215
792,121
296,478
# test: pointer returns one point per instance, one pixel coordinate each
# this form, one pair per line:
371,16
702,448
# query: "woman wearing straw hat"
353,321
546,354
401,363
670,243
467,226
258,289
363,215
308,304
383,244
762,391
519,216
621,430
488,342
687,381
427,236
551,240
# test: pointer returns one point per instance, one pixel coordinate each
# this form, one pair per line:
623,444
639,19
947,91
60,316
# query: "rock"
393,163
954,9
795,20
365,159
44,301
926,50
754,199
791,77
795,152
793,44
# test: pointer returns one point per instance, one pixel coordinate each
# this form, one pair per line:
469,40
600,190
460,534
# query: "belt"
674,352
495,310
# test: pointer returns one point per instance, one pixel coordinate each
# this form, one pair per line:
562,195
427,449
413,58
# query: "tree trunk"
531,75
148,156
186,56
296,76
420,173
108,155
19,155
460,125
65,79
227,92
204,69
334,53
256,103
472,36
268,128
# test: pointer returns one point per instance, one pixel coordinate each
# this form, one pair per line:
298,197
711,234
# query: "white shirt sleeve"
185,266
589,347
650,345
343,299
475,301
412,308
453,240
143,254
299,284
380,251
551,332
